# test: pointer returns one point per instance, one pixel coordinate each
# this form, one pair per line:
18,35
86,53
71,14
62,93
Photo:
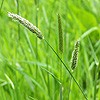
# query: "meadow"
33,68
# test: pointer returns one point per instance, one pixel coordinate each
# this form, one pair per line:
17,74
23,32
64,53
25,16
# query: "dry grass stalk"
27,24
75,55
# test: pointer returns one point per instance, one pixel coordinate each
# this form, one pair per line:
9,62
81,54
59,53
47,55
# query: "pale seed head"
27,24
75,55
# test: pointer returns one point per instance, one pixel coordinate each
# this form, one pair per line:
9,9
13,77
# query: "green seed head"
75,55
60,34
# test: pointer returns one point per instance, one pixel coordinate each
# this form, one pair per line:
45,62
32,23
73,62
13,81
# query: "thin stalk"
18,27
95,81
26,58
17,1
37,5
67,69
61,93
17,6
47,62
69,88
61,71
36,45
47,47
95,67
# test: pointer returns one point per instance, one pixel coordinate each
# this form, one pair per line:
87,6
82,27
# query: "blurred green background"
29,69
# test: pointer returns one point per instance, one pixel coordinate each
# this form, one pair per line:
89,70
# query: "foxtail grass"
74,61
60,52
60,34
75,55
27,24
35,30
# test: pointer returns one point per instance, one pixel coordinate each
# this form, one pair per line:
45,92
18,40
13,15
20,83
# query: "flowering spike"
27,24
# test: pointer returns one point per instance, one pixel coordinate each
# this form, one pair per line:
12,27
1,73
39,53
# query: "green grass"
30,70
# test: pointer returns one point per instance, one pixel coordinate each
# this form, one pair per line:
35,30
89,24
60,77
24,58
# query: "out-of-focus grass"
80,20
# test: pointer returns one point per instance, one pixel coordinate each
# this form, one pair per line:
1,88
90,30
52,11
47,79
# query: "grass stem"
67,69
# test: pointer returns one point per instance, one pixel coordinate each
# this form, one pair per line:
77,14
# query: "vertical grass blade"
17,5
96,68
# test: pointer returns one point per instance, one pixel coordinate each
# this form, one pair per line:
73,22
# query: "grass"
30,69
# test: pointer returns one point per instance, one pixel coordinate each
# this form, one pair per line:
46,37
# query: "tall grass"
19,77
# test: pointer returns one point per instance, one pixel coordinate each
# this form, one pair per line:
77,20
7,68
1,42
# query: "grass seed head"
27,24
75,55
60,34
